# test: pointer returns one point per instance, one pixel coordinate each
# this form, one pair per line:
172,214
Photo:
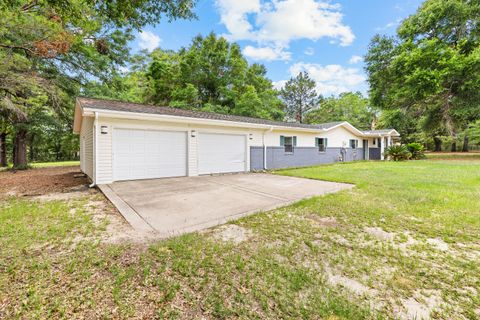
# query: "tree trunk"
20,155
32,148
465,144
454,147
438,144
3,149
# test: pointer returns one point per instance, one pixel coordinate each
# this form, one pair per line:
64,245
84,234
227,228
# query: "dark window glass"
288,144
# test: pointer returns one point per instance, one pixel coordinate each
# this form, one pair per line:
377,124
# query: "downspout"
95,149
265,148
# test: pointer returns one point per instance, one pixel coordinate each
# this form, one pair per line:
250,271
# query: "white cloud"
148,40
275,23
279,84
355,59
331,79
266,53
233,14
389,25
309,51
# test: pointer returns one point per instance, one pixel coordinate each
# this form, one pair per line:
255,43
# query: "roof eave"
89,112
77,118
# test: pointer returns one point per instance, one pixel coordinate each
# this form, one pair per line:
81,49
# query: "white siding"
340,137
337,138
105,162
86,147
104,157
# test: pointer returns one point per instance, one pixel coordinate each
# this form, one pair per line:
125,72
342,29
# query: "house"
128,141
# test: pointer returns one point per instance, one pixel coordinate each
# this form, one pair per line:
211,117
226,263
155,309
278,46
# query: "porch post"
382,148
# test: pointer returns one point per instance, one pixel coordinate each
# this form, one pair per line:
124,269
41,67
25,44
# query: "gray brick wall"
374,153
301,157
256,158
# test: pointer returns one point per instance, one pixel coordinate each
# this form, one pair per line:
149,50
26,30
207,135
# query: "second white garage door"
219,153
148,154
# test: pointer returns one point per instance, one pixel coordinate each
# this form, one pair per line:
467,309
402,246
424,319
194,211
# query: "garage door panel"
148,154
219,153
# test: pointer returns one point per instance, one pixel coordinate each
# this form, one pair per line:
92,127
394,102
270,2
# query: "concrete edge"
218,222
130,215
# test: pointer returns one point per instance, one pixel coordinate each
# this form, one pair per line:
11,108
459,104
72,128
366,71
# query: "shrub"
417,150
398,153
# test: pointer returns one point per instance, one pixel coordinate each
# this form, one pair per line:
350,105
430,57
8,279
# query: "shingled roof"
380,131
113,105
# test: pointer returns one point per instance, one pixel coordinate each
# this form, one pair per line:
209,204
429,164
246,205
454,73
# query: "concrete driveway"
177,205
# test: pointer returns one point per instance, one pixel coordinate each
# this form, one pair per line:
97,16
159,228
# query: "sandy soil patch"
438,244
379,233
420,306
351,285
232,233
329,222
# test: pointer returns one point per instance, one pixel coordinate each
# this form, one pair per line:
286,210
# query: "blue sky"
325,38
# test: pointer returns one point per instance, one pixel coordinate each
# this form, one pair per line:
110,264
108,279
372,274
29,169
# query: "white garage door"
148,154
221,153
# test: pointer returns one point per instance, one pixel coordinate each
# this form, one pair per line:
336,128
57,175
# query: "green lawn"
472,155
407,236
55,164
48,164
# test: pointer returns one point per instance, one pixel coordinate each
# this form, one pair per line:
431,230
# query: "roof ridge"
127,106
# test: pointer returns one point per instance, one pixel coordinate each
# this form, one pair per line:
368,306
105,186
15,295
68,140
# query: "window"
321,143
353,143
374,141
288,143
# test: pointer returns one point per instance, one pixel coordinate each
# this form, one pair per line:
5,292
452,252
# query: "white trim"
180,119
95,150
346,125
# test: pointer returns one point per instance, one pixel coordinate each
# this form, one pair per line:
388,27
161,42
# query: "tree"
211,74
51,47
300,96
4,129
431,69
348,106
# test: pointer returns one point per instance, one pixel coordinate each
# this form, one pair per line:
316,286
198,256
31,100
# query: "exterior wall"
374,154
86,147
105,142
256,158
340,137
305,153
301,157
337,138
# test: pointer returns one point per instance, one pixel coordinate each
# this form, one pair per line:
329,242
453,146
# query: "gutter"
95,150
265,148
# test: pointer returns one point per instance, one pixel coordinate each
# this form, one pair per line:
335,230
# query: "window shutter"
317,142
294,141
325,141
282,141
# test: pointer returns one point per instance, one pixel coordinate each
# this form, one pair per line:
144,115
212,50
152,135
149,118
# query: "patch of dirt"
65,196
232,233
351,285
438,244
420,306
41,181
118,230
379,233
404,246
329,222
